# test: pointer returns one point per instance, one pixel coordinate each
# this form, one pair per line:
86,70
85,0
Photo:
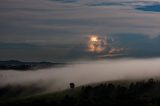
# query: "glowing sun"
96,44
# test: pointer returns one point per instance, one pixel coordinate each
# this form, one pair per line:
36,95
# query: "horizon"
80,52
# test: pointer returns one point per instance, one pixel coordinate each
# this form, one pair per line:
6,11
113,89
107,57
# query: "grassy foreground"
141,93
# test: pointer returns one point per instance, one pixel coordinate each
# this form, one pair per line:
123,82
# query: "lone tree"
72,85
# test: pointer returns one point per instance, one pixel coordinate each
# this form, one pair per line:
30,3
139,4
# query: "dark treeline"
142,93
24,66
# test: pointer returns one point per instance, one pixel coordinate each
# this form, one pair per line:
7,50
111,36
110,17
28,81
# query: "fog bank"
84,72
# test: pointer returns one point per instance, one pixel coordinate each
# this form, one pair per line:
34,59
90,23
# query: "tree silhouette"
72,85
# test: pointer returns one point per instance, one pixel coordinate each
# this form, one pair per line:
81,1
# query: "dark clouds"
134,45
139,46
152,8
66,1
131,3
61,27
105,4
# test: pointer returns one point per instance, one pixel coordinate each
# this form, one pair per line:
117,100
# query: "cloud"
48,23
66,1
152,8
105,4
123,3
84,72
118,45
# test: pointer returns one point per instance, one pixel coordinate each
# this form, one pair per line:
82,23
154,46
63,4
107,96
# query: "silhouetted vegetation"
72,85
17,91
18,65
142,93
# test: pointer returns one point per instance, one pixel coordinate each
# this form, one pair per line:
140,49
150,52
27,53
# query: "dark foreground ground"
142,93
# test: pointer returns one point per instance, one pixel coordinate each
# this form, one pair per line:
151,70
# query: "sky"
58,30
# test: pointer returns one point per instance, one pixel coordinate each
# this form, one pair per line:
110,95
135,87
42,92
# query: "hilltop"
141,93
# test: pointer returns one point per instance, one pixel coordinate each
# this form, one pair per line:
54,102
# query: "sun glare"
95,44
94,38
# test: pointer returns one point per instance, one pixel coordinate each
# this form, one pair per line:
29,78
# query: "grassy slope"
141,93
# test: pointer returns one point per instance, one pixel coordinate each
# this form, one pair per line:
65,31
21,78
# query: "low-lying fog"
84,73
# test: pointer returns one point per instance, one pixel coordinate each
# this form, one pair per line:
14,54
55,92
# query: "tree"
72,85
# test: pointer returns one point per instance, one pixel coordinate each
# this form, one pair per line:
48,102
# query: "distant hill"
19,65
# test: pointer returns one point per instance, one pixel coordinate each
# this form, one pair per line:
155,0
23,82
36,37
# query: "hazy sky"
57,30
